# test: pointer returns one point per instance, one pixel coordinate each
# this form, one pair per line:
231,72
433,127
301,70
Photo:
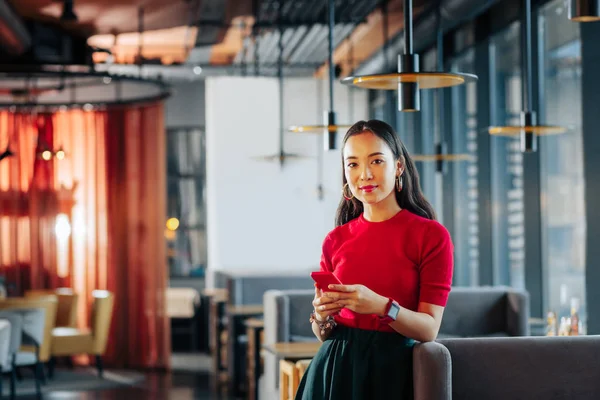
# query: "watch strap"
391,312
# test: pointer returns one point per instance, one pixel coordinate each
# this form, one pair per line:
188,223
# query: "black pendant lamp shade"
329,127
528,128
409,79
584,10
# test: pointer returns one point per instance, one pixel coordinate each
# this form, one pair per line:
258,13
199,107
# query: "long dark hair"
410,197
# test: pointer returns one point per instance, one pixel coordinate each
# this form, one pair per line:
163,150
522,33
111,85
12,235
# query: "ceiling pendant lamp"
528,129
584,10
409,79
330,127
441,156
281,155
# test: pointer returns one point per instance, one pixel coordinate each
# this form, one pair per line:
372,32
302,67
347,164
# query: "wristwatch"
391,312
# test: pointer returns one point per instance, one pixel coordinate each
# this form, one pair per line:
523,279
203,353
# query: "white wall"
262,217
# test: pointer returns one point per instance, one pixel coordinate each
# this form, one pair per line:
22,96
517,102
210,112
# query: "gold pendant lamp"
409,79
441,155
528,129
330,128
584,10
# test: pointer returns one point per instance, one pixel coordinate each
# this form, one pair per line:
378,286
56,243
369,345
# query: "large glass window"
464,175
186,228
428,137
508,231
562,184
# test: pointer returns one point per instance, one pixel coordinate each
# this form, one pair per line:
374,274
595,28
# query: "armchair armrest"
432,372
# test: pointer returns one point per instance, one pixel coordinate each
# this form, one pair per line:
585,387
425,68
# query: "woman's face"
370,168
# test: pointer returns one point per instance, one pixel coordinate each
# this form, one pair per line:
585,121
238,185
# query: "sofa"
507,368
470,312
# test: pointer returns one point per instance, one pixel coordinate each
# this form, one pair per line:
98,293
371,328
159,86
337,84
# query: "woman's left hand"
358,298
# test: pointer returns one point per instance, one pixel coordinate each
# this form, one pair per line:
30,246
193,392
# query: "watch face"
394,310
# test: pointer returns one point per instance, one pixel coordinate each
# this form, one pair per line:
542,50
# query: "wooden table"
287,354
254,331
216,293
294,350
236,317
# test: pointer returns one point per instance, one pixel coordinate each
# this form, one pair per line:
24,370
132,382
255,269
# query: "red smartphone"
324,279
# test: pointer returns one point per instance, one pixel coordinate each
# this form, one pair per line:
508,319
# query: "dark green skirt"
357,364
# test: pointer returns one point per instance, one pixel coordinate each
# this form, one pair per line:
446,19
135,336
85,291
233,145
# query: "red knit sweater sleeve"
326,254
436,265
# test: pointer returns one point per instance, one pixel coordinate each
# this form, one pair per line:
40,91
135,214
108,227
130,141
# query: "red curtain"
105,230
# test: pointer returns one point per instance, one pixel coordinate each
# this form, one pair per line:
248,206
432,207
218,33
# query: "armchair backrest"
286,314
249,289
39,317
16,334
66,313
102,310
486,311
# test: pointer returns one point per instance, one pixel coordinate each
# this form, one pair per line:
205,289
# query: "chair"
73,341
508,368
286,314
11,346
66,313
290,374
289,380
38,318
486,311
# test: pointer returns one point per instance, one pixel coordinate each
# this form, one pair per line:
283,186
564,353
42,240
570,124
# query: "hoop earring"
344,192
399,184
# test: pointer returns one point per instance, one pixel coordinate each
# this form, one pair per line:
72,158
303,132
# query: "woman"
395,263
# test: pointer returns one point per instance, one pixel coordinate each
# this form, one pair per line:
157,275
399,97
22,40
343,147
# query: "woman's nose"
366,173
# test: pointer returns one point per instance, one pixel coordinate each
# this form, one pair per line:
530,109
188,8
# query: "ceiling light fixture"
441,156
68,15
409,79
584,10
330,127
281,155
528,129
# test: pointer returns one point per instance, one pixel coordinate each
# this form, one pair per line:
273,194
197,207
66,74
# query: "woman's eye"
377,161
351,165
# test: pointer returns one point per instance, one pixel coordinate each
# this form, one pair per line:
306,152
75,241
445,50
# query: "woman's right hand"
324,306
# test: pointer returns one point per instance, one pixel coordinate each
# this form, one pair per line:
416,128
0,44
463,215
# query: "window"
428,137
464,175
382,105
186,229
508,231
561,162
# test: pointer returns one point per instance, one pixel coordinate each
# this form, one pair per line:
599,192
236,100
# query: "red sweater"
407,257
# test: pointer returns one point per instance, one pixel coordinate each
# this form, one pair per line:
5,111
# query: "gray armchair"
249,288
8,363
485,311
508,368
286,315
